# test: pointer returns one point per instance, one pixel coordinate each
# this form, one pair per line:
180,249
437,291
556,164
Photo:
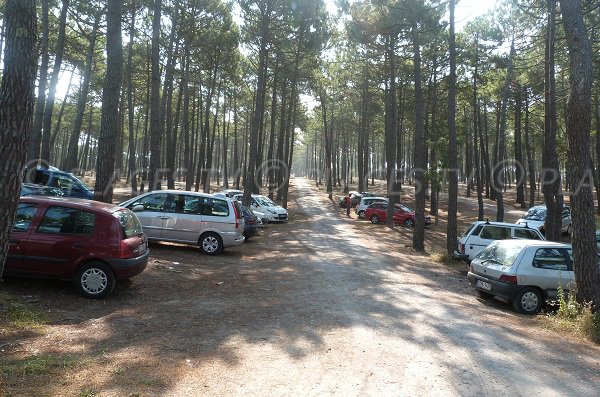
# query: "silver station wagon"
212,223
526,273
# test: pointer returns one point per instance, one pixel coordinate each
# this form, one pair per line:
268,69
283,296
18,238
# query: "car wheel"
484,295
409,223
95,280
374,219
528,301
211,244
361,214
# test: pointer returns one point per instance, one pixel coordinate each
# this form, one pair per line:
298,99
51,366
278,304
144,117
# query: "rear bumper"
126,268
458,255
498,288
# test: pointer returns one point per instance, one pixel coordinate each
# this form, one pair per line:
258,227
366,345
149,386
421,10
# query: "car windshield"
535,214
264,201
503,254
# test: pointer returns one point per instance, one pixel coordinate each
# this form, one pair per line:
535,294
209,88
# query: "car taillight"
471,268
508,279
462,248
237,217
126,251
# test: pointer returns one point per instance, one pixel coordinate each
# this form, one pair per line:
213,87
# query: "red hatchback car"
96,244
377,212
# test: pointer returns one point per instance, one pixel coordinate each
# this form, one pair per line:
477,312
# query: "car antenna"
487,221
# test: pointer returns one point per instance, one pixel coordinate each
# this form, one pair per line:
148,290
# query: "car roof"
78,203
495,223
533,243
374,198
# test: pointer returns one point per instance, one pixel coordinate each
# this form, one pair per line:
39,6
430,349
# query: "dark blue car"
250,223
69,184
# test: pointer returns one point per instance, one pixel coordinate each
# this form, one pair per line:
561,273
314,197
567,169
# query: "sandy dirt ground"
323,305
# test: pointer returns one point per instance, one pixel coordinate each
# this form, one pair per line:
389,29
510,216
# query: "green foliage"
21,316
575,316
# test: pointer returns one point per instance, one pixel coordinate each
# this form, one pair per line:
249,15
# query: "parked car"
69,184
32,189
526,273
535,218
367,201
251,223
230,192
96,244
355,197
403,215
260,203
480,234
201,219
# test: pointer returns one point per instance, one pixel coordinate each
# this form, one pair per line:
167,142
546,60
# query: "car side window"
23,217
151,202
495,233
41,178
526,233
62,220
550,259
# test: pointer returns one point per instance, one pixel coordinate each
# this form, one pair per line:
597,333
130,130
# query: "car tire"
374,219
484,295
409,223
528,301
95,280
211,244
361,214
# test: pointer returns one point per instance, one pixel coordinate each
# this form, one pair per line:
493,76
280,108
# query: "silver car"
526,273
213,223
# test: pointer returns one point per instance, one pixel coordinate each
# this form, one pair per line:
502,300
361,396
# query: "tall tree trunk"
550,164
72,153
156,129
250,176
519,166
451,229
499,180
585,257
109,124
35,138
391,131
420,151
530,153
48,109
130,109
16,108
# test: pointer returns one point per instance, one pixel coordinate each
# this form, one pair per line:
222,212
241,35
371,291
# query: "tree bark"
585,259
109,120
35,138
16,108
451,230
156,129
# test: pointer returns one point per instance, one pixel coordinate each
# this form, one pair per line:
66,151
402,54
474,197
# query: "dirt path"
322,305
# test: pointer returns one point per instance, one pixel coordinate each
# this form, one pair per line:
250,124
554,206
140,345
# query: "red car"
377,212
96,244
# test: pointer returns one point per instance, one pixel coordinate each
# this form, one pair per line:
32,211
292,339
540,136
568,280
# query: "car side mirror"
138,207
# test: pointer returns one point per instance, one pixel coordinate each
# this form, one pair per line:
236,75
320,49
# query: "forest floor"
320,305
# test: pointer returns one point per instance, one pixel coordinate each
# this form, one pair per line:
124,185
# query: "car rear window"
130,223
501,253
23,217
63,220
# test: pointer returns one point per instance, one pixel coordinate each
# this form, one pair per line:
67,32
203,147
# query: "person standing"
348,204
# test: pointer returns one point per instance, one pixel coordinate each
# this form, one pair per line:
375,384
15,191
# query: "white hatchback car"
260,203
212,223
480,234
535,217
526,273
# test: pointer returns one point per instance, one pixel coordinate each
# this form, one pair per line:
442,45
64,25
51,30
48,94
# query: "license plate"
484,285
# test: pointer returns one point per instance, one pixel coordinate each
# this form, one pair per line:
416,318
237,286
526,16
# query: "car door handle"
164,217
77,246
